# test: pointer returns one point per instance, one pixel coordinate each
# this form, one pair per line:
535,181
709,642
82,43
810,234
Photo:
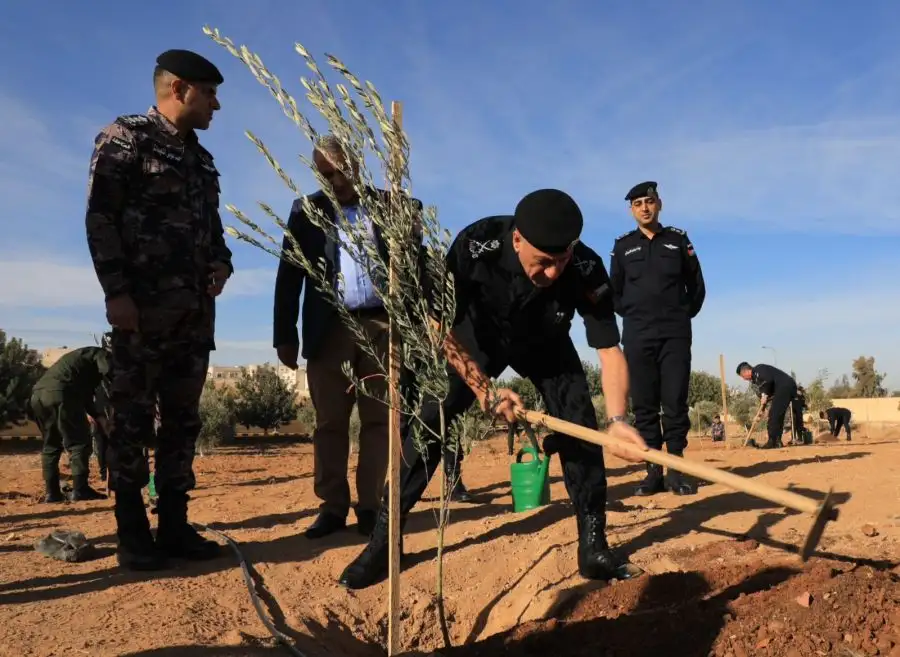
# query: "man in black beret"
157,244
658,289
519,279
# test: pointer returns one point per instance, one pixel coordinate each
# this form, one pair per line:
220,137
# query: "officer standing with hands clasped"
157,243
658,289
518,282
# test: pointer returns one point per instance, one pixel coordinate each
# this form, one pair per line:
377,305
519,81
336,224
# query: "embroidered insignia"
134,120
585,267
478,249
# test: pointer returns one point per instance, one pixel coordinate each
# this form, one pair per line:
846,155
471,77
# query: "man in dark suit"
328,343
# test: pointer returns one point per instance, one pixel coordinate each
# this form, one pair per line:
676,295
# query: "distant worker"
798,405
717,429
837,417
779,388
61,402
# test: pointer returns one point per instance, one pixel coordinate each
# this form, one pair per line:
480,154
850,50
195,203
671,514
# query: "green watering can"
529,480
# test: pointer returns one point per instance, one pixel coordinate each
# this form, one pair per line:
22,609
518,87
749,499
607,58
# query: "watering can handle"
529,431
535,455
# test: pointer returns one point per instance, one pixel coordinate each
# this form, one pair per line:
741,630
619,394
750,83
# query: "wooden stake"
395,455
724,389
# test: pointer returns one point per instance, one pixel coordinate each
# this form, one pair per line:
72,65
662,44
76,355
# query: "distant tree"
526,390
703,412
841,388
817,397
704,387
264,400
594,377
216,417
743,404
867,380
20,369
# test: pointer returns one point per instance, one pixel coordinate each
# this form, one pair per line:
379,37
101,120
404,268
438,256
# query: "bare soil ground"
722,578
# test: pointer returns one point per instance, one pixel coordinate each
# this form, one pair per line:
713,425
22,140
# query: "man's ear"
179,89
659,203
516,239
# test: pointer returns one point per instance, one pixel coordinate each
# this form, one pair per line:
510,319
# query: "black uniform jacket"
769,380
507,311
657,284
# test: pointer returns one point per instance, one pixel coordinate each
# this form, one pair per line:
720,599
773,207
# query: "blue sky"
772,128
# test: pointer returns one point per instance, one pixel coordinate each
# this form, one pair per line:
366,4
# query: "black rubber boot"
136,549
653,482
175,536
52,492
595,558
82,491
677,483
371,566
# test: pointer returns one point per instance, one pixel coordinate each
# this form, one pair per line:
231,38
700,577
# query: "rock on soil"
737,607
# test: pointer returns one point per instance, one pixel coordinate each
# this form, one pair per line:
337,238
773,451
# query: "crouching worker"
61,401
518,282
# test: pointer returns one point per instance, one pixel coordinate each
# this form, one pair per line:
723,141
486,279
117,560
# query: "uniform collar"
168,126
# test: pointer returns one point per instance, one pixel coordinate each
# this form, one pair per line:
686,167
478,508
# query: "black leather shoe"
595,559
371,566
365,521
327,523
653,483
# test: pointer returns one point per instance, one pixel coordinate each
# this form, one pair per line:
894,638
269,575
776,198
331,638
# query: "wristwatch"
616,418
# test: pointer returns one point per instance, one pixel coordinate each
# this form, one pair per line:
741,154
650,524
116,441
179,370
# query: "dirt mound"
734,604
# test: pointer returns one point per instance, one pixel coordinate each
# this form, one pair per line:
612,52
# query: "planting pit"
727,602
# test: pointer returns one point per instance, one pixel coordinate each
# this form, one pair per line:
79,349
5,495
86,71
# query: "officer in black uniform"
518,282
779,388
837,417
658,289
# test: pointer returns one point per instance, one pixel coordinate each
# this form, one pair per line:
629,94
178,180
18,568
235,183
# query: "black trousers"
659,372
778,408
453,450
556,371
841,421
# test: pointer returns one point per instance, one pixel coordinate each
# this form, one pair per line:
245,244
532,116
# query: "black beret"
742,366
641,190
189,66
549,220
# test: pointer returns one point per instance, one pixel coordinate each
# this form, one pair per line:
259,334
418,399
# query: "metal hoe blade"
825,513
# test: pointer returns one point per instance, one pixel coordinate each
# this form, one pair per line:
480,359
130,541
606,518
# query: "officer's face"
746,375
199,104
645,210
340,184
541,268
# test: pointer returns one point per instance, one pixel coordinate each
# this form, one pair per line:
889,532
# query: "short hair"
161,75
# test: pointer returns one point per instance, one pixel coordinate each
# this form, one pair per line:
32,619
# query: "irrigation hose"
281,637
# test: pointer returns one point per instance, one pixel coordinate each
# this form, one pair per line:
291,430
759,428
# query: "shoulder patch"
479,248
584,265
676,230
134,120
624,235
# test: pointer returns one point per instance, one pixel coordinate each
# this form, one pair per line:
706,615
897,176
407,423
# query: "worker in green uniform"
61,401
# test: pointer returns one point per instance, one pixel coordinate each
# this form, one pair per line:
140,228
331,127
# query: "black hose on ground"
281,637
